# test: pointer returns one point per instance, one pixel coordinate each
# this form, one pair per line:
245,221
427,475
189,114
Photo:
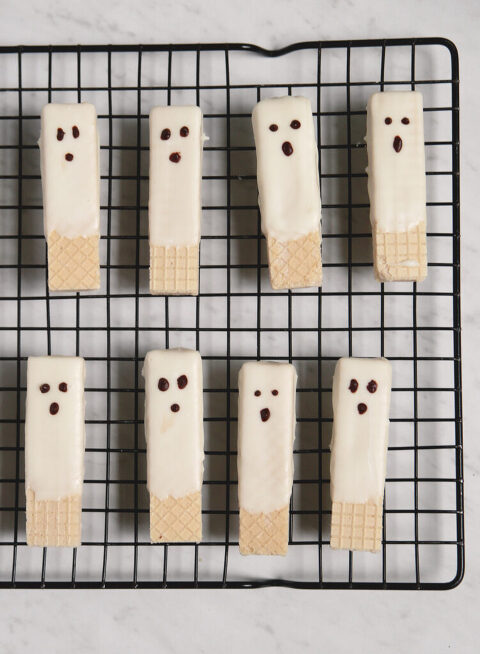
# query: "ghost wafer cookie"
174,435
266,431
69,157
289,190
54,450
397,185
175,207
361,403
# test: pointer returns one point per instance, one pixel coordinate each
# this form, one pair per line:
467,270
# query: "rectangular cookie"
54,450
174,435
397,185
69,161
361,404
266,431
289,190
175,203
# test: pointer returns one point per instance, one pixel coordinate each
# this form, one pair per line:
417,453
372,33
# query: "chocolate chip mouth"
265,414
287,148
54,408
397,144
175,408
362,408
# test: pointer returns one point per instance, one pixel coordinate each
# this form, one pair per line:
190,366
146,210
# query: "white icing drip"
359,442
288,186
174,439
55,444
175,203
71,189
265,449
396,180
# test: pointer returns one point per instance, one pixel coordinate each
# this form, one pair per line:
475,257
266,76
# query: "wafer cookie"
397,185
175,207
266,430
174,435
289,190
54,450
71,195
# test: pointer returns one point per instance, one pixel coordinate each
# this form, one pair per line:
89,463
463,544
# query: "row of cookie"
288,185
55,444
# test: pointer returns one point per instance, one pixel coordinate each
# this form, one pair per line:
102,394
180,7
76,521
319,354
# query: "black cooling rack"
236,316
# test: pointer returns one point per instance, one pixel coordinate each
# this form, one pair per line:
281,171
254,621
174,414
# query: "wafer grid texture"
236,316
174,270
53,523
176,519
356,526
296,263
73,263
392,249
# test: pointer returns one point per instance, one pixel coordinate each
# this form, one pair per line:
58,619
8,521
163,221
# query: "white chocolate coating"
265,449
175,202
174,439
55,444
288,186
359,442
71,189
396,180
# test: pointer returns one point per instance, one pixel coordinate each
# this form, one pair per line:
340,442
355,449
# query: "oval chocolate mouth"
265,414
361,408
54,408
287,148
397,144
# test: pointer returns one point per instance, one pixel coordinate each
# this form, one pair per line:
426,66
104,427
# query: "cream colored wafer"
176,520
356,526
264,533
175,203
289,190
400,256
73,263
174,270
54,523
296,263
397,185
69,161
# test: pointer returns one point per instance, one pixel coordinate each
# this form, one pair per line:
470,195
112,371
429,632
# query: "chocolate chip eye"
353,385
275,392
44,388
75,132
182,381
273,127
184,131
405,120
163,384
372,386
165,135
63,387
295,124
257,393
388,120
60,134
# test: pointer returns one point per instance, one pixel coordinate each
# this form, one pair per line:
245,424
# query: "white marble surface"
270,620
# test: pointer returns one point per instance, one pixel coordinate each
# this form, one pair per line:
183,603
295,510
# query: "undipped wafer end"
176,520
264,533
73,263
174,270
53,523
296,263
356,526
400,256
